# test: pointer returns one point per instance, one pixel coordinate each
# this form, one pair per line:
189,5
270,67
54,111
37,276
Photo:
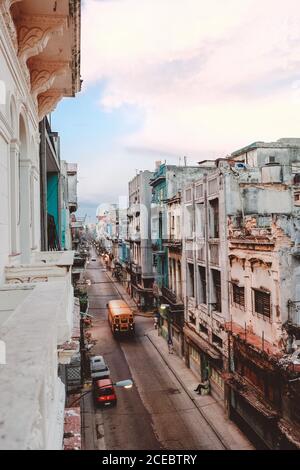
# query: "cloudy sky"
165,79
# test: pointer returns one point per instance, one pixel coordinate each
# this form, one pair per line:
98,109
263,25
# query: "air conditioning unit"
240,166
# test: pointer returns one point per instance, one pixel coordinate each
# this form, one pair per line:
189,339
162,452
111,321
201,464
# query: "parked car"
99,368
104,392
93,259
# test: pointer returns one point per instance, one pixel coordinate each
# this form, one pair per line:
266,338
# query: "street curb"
220,437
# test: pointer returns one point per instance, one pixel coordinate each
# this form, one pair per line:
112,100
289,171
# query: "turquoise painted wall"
63,228
52,197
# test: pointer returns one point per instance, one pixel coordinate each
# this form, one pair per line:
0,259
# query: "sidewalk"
211,410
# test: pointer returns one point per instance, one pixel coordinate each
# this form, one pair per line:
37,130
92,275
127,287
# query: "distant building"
139,239
166,226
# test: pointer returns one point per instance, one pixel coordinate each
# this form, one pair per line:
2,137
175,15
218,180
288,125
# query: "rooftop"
280,143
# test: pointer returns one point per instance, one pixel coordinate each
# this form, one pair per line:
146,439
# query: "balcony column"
25,211
14,199
248,290
174,275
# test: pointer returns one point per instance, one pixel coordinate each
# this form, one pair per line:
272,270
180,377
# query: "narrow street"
156,413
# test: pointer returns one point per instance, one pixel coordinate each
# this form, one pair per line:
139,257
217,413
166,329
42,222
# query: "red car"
104,392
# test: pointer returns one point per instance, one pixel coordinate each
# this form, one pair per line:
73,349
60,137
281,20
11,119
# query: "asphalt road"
156,413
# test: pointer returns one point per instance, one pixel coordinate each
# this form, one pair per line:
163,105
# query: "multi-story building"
264,328
206,279
167,182
139,239
173,294
124,247
58,183
37,68
241,287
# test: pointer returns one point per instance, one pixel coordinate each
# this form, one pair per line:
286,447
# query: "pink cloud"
208,75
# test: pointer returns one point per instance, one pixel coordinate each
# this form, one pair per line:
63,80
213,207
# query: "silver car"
99,368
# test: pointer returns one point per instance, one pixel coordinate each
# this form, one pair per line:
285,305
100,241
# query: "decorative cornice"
43,74
35,31
9,3
75,13
5,6
47,101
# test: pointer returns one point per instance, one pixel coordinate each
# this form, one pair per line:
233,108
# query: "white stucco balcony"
44,267
49,267
32,325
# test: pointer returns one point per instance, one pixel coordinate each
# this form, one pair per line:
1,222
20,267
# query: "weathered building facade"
139,239
263,238
205,279
240,257
37,68
167,231
172,294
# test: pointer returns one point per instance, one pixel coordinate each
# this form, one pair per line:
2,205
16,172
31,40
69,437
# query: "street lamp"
124,383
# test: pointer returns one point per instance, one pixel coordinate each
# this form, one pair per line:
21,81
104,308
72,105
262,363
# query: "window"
188,195
203,329
216,290
216,377
191,286
217,340
195,355
192,319
238,295
199,191
214,218
202,285
160,226
200,220
262,302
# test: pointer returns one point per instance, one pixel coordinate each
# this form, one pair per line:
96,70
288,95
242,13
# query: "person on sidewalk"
202,386
170,346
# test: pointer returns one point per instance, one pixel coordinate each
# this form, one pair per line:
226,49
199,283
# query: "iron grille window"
238,295
262,302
